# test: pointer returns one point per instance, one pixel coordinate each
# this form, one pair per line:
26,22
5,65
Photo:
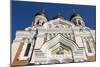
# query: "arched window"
42,22
27,49
88,47
74,22
79,22
37,22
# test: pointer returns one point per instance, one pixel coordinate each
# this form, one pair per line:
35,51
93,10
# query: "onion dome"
42,14
75,14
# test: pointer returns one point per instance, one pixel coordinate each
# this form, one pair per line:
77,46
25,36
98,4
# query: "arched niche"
60,46
59,38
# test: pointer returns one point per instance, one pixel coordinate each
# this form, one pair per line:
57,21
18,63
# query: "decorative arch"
60,52
59,38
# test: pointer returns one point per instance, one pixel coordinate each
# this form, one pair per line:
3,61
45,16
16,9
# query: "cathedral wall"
78,38
39,40
15,47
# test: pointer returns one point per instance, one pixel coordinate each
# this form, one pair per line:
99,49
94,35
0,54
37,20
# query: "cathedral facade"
54,41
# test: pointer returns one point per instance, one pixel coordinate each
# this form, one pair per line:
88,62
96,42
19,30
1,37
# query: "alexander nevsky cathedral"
54,41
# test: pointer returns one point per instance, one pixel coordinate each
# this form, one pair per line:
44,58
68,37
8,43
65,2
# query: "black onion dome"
58,17
41,13
75,14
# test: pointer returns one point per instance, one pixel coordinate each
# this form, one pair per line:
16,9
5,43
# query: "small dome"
41,13
58,17
75,14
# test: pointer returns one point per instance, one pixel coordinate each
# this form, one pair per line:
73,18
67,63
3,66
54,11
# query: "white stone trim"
57,39
21,56
86,49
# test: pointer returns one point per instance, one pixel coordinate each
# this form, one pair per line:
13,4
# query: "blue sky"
23,13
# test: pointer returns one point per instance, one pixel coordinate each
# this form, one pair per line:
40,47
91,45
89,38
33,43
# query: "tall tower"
77,19
40,19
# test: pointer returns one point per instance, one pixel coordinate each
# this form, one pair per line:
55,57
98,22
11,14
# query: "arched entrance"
61,53
60,49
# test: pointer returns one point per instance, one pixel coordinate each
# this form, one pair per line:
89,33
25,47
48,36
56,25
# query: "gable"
59,39
58,23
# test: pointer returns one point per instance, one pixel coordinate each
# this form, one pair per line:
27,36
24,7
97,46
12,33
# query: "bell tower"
77,19
40,19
